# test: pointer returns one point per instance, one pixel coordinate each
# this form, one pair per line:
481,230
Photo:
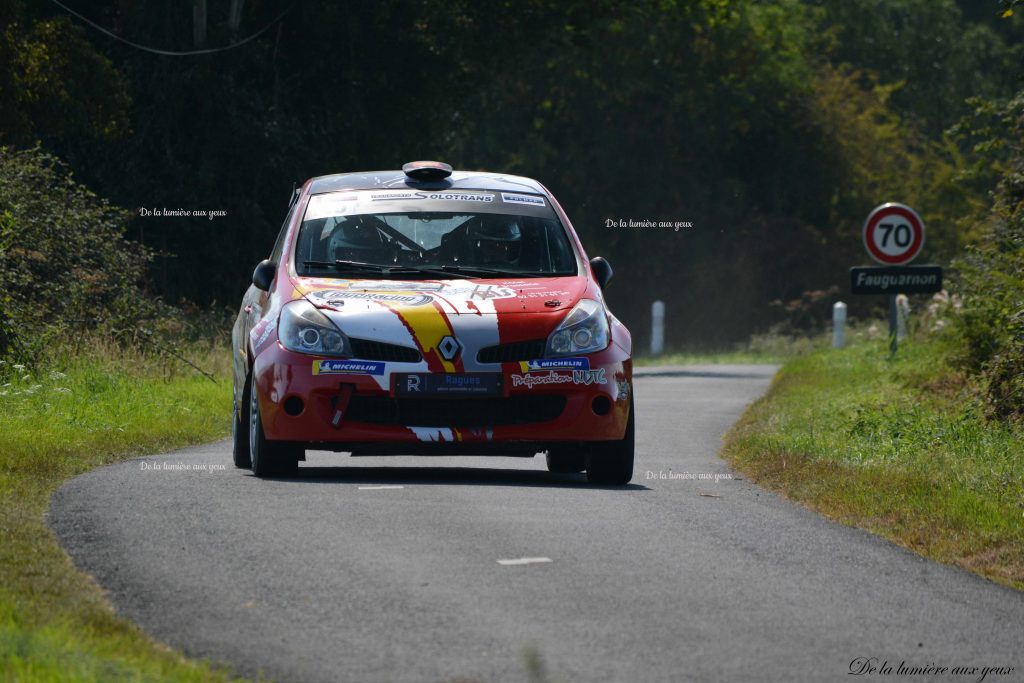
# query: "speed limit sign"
893,234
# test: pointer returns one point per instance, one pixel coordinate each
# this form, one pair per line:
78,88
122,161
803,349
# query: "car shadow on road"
473,476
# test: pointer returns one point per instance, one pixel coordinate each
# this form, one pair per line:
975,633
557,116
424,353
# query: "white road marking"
378,488
525,560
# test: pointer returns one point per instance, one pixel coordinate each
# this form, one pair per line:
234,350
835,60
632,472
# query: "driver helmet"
352,235
496,240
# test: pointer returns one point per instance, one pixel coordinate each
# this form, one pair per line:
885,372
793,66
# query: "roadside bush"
992,324
65,266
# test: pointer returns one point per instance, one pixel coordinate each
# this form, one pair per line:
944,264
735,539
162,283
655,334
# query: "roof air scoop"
427,170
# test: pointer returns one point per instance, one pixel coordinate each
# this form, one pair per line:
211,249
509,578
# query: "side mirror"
264,274
602,270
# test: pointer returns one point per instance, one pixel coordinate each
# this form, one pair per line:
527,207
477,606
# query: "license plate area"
446,385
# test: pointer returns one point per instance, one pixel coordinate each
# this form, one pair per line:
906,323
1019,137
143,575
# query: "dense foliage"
64,263
771,128
992,323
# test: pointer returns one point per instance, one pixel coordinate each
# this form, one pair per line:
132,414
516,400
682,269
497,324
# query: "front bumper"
361,412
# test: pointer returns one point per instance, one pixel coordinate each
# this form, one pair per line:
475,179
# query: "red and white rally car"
422,312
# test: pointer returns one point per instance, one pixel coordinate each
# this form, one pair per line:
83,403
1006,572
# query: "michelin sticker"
347,367
556,364
528,199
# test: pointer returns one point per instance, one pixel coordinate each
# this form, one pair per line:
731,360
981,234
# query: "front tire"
566,460
240,428
269,458
611,462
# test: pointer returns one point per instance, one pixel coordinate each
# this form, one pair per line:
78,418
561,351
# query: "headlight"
584,330
304,329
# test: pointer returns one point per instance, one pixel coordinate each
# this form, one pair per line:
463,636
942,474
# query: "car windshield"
447,234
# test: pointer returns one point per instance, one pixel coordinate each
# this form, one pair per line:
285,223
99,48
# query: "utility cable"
170,53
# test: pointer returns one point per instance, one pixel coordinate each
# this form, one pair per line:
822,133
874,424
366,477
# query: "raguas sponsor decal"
584,377
347,367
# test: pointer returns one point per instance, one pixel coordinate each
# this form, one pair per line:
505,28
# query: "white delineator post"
657,328
902,313
838,325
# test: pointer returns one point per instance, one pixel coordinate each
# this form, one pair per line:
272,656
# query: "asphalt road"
389,569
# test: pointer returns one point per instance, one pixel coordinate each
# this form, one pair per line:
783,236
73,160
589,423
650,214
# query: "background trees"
772,127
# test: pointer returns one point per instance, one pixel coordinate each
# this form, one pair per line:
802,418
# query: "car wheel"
240,428
566,460
269,458
611,462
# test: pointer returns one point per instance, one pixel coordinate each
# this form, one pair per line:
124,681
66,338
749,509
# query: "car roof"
459,180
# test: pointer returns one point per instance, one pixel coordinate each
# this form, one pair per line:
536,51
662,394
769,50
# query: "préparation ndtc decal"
584,377
530,381
589,377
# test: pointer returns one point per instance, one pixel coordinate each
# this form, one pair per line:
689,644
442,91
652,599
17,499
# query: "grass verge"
765,348
55,423
899,447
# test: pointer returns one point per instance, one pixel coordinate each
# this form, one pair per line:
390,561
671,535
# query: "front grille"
364,349
454,412
504,353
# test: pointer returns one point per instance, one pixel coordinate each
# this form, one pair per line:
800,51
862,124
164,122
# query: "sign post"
657,327
893,236
838,325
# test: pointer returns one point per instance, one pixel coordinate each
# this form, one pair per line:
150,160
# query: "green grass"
55,423
899,447
767,348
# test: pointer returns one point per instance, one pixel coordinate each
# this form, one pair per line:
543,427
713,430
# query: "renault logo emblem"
449,348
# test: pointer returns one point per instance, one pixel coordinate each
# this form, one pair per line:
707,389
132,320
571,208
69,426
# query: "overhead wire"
173,53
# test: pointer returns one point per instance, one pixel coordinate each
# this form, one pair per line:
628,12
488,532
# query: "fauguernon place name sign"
895,279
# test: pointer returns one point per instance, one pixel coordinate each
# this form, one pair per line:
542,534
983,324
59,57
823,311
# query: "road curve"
390,569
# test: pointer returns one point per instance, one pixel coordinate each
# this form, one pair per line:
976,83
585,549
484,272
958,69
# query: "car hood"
476,297
450,321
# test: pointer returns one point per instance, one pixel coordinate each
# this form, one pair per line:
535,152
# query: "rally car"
426,311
